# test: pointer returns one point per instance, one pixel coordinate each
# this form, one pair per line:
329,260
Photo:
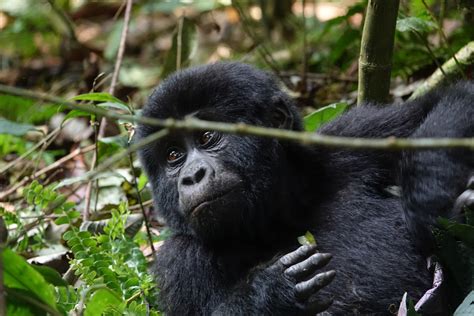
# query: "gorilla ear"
282,116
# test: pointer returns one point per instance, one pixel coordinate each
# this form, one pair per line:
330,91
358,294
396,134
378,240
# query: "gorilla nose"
195,177
195,173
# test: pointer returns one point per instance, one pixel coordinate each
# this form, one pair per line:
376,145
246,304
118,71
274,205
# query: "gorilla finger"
307,288
308,266
466,199
470,183
298,255
318,306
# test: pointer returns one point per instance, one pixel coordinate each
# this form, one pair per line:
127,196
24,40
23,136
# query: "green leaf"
23,110
18,309
21,275
307,239
415,24
50,275
323,115
142,181
115,105
69,235
100,301
97,96
14,128
109,146
73,215
61,220
464,232
75,113
22,303
411,309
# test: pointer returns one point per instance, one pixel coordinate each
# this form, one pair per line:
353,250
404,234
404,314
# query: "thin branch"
3,293
430,51
121,50
52,134
179,42
305,51
140,202
45,170
443,36
191,124
113,84
261,47
465,58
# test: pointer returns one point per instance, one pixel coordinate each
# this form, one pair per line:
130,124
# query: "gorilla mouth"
202,205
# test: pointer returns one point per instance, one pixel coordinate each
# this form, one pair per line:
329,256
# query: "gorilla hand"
300,281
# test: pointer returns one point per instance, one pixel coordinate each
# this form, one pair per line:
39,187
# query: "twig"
113,84
47,169
443,36
95,156
30,151
305,51
137,207
142,208
261,48
430,51
192,124
179,42
465,57
121,49
3,240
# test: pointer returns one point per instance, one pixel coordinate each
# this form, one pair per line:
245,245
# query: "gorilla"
236,204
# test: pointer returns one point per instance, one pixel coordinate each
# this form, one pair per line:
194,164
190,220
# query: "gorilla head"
217,185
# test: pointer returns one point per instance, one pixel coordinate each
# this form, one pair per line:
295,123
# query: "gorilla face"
209,182
212,184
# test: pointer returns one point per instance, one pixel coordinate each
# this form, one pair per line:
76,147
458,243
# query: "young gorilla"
237,204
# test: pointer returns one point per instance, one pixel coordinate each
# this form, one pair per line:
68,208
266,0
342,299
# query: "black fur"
224,259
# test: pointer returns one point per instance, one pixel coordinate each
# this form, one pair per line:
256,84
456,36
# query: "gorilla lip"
205,203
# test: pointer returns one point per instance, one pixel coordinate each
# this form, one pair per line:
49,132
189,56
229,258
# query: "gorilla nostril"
187,181
199,175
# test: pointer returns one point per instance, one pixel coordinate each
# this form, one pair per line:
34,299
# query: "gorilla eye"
206,137
173,155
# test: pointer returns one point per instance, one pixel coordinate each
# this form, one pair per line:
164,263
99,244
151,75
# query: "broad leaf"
323,115
21,275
